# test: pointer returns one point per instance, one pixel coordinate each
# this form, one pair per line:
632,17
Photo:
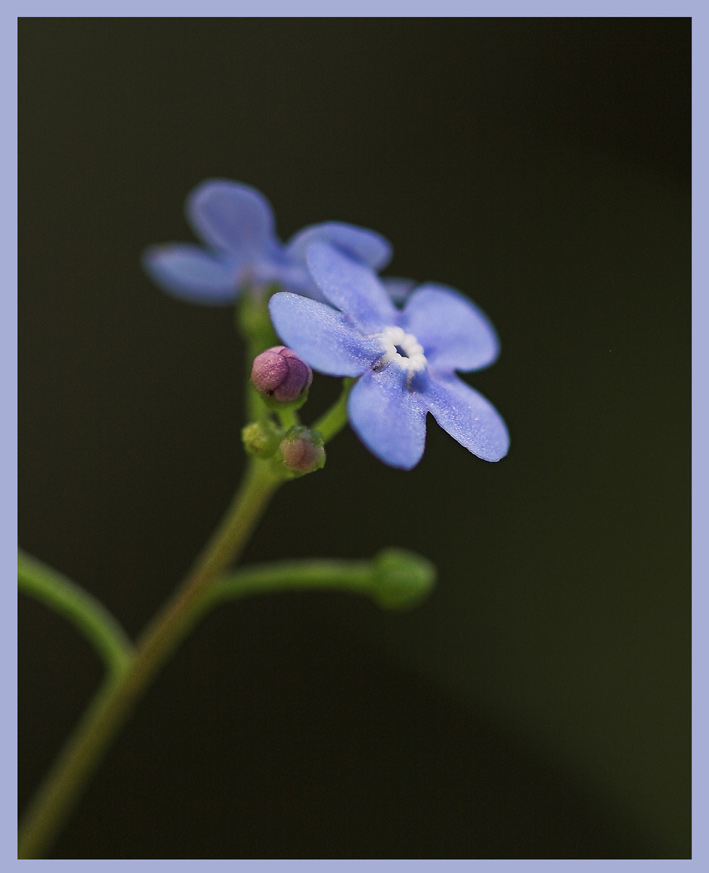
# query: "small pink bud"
302,451
279,374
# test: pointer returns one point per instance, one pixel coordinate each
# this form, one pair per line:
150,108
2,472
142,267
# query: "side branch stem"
87,613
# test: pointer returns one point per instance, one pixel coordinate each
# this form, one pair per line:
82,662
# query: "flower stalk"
394,579
121,691
331,422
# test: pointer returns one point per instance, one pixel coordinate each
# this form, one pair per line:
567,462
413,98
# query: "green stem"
254,324
288,417
85,611
117,697
355,576
394,578
331,422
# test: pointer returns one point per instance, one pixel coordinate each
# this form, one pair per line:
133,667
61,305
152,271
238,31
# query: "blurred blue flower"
405,358
236,225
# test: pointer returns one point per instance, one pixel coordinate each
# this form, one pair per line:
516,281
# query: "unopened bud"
280,375
302,451
259,439
402,578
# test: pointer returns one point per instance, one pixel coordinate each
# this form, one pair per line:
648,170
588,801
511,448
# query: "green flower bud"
260,439
403,578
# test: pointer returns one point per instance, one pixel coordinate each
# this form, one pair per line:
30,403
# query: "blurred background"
538,704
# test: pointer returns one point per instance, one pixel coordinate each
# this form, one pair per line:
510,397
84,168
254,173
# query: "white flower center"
402,349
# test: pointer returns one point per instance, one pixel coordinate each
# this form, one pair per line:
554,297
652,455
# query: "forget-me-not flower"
405,358
236,224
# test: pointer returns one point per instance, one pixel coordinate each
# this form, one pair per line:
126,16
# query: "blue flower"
405,358
236,224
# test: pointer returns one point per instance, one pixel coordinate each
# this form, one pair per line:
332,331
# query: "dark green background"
538,704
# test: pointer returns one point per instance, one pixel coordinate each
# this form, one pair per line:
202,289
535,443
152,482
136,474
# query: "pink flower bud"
302,451
279,374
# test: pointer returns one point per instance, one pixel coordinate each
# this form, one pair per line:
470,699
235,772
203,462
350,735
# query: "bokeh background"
538,704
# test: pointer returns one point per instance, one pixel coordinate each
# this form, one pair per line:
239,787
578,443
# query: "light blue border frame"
8,347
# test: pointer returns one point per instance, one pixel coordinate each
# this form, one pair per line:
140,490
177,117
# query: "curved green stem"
394,579
331,422
85,611
119,694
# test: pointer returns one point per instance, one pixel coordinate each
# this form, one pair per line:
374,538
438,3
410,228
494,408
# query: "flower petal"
352,287
389,420
234,218
454,332
468,417
361,244
189,273
398,289
321,336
